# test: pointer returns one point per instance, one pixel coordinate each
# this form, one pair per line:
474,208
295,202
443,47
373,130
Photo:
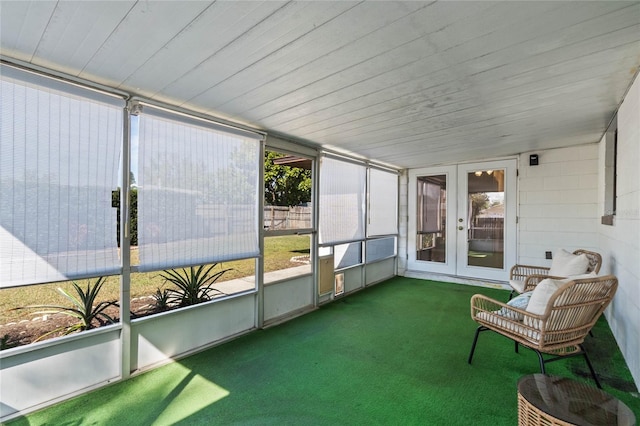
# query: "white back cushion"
541,295
566,264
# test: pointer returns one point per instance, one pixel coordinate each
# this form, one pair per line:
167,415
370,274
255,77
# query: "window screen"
346,255
380,248
342,201
198,192
383,203
60,150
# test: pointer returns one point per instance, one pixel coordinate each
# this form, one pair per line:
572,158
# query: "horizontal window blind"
198,192
60,148
341,201
383,203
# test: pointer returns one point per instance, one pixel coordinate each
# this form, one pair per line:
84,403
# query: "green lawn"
278,252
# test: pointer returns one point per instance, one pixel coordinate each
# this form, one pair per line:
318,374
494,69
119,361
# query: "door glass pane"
485,218
431,218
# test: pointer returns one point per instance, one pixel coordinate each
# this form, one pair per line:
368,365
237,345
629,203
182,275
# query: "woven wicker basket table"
551,400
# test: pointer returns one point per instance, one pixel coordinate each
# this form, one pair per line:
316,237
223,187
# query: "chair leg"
511,294
475,341
582,352
541,359
593,372
516,346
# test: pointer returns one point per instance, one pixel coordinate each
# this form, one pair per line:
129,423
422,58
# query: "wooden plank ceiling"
408,84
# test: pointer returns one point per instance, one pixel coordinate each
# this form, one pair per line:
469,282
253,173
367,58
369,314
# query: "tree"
133,214
234,182
479,201
285,185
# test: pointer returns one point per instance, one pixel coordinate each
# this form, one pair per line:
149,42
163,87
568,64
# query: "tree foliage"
479,201
133,214
235,181
285,185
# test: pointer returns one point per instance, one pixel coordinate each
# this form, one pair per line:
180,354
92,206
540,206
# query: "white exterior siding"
620,243
558,202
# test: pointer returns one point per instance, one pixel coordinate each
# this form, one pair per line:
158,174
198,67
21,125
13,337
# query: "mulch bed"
27,331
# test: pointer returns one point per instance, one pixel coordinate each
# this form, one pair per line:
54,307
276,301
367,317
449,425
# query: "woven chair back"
576,307
595,260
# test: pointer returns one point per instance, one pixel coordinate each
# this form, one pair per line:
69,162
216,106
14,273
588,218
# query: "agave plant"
83,308
161,300
7,343
194,285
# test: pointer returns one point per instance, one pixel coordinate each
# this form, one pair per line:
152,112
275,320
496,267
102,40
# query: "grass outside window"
279,252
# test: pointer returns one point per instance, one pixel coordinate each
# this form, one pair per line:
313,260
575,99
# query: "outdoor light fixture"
533,160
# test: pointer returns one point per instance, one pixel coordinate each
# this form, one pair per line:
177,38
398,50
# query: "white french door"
462,219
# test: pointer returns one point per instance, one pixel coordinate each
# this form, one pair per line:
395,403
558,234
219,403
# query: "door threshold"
478,282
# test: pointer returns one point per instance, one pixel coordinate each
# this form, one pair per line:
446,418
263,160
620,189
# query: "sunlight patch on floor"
196,394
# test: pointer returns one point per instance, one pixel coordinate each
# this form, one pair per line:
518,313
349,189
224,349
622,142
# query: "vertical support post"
315,240
367,221
125,249
259,273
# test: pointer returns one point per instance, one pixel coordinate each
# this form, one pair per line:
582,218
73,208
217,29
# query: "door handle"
460,228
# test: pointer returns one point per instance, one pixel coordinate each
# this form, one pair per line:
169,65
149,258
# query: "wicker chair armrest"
517,324
520,272
482,303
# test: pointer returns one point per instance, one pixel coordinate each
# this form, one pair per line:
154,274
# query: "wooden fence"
282,217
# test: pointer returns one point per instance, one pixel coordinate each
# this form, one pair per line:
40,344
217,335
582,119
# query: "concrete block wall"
620,243
558,202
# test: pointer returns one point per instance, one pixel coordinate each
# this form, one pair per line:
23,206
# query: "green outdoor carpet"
393,354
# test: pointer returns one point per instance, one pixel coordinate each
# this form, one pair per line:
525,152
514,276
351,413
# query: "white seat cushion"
565,264
498,321
517,285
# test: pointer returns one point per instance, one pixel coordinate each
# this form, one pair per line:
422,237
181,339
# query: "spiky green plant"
83,308
194,285
161,300
6,342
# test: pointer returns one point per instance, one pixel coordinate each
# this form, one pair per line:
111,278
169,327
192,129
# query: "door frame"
449,265
510,220
455,260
